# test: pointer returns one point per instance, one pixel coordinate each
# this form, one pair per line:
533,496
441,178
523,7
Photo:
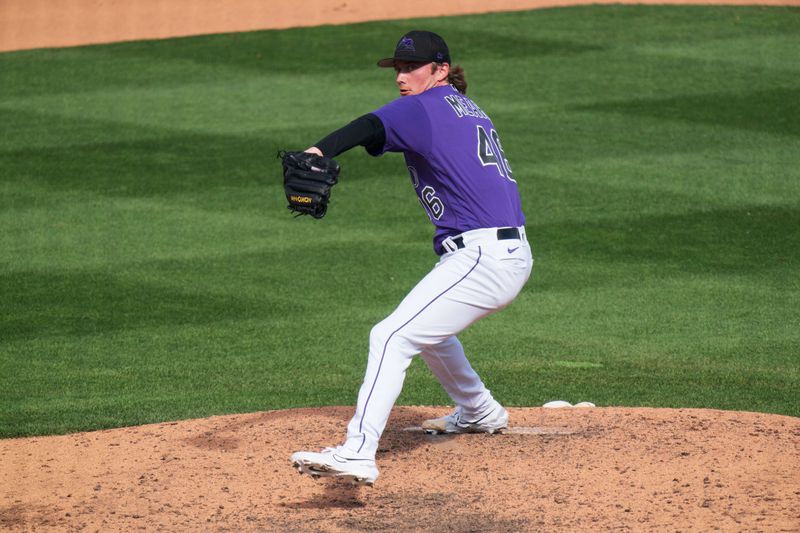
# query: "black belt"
503,234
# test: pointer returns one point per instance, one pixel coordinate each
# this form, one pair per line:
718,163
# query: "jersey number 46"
490,152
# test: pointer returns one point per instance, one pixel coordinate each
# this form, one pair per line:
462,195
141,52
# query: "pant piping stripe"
386,344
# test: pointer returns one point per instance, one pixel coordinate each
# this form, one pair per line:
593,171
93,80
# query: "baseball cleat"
495,420
337,463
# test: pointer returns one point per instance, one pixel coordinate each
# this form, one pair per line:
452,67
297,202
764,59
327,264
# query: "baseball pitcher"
463,180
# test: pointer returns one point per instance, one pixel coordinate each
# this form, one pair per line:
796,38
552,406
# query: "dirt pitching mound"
557,469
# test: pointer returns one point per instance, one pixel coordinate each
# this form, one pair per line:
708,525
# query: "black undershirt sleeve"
367,131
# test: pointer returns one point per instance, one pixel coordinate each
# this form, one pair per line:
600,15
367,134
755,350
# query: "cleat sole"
318,471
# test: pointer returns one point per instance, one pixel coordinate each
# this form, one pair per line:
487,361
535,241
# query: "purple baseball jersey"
455,159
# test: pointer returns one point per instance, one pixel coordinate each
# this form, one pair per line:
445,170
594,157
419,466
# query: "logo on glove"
301,199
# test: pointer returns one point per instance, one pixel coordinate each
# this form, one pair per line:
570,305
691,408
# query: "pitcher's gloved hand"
307,182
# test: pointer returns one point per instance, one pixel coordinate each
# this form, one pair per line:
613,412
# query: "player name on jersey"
464,106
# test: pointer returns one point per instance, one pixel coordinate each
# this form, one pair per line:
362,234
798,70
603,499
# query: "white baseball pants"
466,285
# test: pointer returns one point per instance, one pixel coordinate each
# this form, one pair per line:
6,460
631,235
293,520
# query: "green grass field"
150,270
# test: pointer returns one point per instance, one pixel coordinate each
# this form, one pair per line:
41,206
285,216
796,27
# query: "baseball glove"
307,182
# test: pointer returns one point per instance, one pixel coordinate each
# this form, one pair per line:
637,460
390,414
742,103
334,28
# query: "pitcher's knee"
379,333
388,337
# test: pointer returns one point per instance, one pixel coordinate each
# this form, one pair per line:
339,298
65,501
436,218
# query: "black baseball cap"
419,46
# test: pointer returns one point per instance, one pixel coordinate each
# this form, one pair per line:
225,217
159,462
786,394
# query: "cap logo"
439,56
406,43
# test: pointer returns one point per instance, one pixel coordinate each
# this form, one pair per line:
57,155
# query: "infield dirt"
44,23
595,469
